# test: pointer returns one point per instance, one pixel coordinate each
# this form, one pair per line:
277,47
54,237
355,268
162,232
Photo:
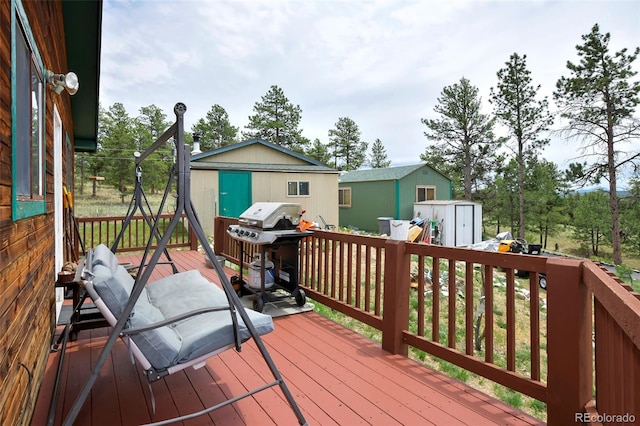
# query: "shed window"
425,193
298,188
28,123
344,197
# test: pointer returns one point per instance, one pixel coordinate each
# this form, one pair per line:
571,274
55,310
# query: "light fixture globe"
60,82
71,83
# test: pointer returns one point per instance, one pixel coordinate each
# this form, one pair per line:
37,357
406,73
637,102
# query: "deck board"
336,376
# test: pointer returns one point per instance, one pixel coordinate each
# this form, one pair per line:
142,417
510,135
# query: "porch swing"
178,321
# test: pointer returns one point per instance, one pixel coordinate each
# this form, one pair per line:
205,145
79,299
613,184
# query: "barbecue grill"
272,230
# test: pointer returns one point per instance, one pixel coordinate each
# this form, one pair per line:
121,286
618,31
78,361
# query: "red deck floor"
336,376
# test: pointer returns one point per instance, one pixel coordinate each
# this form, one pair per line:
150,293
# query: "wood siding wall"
27,271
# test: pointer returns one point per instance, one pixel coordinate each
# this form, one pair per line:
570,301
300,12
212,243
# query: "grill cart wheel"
542,279
258,304
300,296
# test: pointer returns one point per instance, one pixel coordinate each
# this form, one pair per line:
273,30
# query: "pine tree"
598,100
465,144
378,159
319,152
149,125
215,129
527,118
349,152
277,120
117,144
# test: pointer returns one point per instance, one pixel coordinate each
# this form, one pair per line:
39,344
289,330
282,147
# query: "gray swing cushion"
168,297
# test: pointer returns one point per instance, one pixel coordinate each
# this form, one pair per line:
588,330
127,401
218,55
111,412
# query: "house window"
28,143
425,193
344,197
298,189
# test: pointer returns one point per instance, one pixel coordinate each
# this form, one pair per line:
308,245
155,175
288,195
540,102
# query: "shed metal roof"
388,173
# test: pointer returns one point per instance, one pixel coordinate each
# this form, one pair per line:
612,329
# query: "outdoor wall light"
67,81
196,144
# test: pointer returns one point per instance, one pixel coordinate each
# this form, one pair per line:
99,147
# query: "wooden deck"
336,376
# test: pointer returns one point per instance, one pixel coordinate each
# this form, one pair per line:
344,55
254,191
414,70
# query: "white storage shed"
454,223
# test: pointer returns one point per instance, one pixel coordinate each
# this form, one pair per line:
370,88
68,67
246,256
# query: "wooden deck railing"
96,230
368,278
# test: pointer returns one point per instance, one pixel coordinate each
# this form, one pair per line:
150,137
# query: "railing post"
193,239
569,342
218,235
396,297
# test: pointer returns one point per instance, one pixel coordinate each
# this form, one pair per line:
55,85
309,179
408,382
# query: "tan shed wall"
269,186
323,190
204,195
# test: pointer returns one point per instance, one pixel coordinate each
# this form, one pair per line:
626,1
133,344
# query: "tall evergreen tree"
598,101
149,125
349,151
630,212
319,152
506,196
117,145
545,190
92,166
215,129
465,144
527,118
277,120
378,159
591,219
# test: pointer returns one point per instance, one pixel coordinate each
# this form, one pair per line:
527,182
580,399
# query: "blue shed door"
235,192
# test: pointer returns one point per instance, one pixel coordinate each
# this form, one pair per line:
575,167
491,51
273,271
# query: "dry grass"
108,202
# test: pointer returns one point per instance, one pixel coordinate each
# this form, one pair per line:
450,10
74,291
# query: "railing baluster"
469,308
378,287
350,273
534,314
451,332
511,321
435,295
367,280
341,272
420,290
488,312
359,263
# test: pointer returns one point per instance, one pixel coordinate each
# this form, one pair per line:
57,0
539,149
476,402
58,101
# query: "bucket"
383,225
400,230
254,275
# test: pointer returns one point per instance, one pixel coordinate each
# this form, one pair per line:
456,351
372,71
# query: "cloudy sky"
381,63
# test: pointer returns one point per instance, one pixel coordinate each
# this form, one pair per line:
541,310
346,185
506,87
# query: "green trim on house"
397,215
21,209
83,38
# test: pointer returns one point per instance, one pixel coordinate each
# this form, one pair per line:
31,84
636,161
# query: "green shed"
366,195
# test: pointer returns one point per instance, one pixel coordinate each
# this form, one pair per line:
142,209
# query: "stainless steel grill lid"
265,215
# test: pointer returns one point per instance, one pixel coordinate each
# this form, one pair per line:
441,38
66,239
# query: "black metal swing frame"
181,174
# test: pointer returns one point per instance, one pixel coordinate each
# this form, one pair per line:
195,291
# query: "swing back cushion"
181,341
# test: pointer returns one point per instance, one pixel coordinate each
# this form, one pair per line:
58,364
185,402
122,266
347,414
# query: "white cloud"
381,63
